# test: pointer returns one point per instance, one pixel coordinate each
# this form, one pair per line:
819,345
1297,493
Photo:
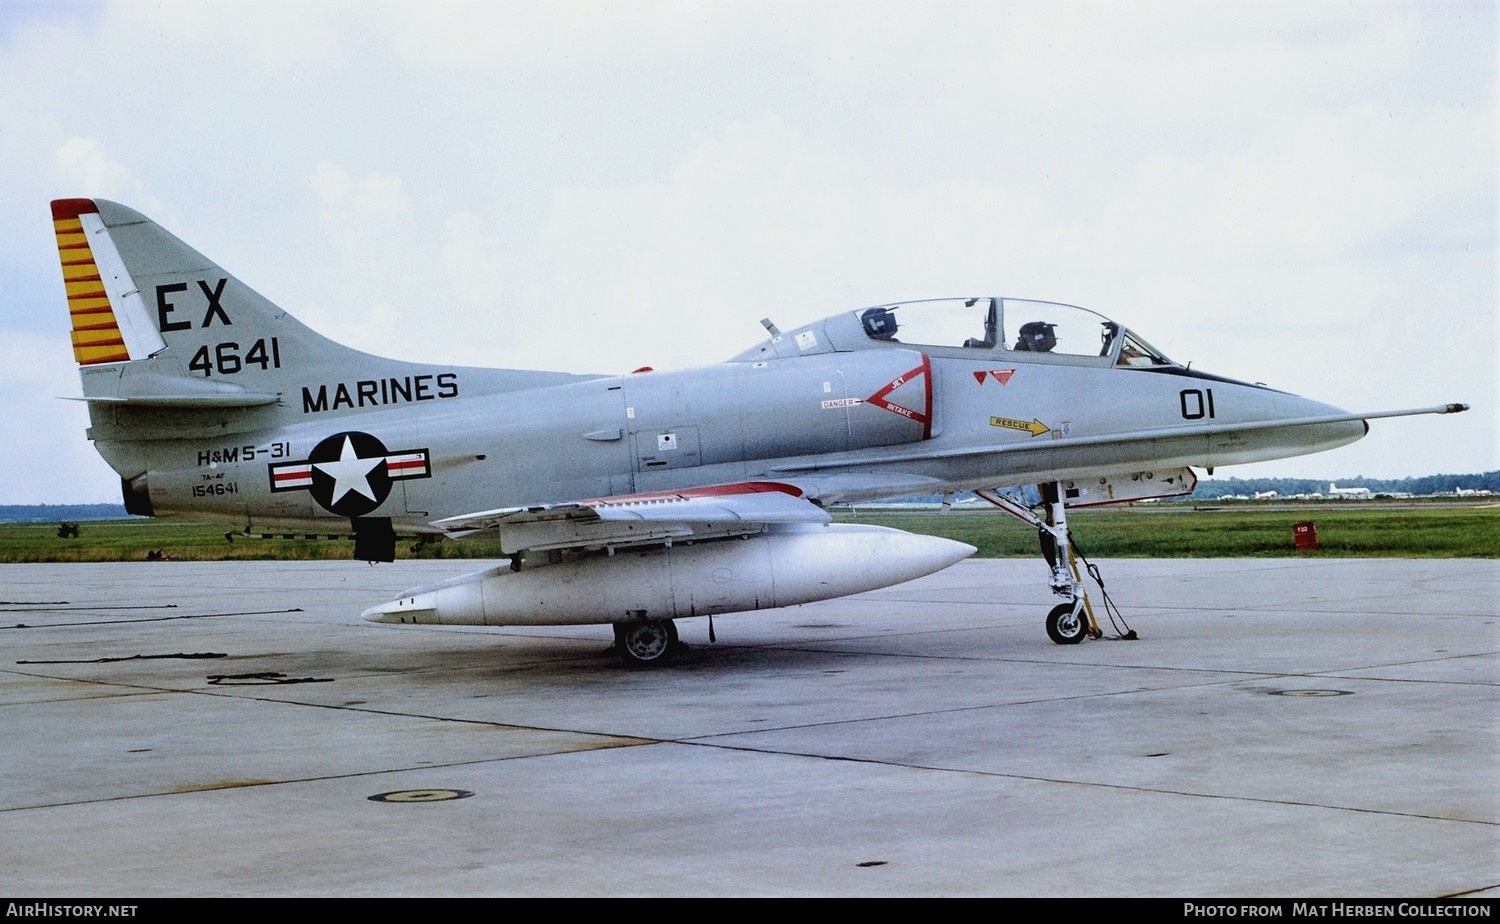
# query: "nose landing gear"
1068,623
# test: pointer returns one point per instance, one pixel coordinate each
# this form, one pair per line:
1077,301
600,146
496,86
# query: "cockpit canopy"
966,328
1014,324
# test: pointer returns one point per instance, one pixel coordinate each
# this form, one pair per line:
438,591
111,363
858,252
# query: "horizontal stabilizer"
248,399
166,391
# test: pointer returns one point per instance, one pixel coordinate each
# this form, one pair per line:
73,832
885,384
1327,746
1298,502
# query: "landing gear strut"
1069,622
646,644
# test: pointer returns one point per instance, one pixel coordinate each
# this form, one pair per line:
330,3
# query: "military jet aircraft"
636,500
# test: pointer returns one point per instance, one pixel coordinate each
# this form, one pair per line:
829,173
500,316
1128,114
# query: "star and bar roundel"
350,474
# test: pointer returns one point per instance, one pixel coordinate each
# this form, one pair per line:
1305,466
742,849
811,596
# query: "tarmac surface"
1283,728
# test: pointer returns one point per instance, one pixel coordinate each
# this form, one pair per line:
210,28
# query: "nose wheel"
1067,624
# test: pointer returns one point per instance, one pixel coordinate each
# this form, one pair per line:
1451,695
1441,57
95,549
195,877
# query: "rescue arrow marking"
1034,427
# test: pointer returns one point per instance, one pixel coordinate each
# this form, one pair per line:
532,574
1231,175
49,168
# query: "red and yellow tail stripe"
96,333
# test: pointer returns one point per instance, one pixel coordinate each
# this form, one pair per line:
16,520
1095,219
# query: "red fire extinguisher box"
1305,536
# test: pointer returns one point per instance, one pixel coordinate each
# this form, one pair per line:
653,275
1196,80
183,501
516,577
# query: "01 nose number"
1196,404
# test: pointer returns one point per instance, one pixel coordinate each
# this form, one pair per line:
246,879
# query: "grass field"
135,540
1344,530
1177,531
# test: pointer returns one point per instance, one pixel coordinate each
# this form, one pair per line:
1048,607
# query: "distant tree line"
58,513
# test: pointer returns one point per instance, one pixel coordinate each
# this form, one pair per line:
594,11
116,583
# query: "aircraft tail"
190,334
170,345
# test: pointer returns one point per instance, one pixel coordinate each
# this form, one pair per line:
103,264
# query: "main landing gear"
1067,623
646,644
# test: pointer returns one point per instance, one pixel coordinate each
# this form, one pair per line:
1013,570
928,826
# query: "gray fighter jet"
639,499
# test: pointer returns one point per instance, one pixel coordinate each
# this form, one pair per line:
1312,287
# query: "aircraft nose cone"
954,551
852,558
381,613
930,554
456,601
407,609
924,555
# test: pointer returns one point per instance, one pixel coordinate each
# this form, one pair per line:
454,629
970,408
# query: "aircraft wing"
631,519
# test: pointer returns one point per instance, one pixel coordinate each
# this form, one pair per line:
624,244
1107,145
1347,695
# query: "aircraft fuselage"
952,423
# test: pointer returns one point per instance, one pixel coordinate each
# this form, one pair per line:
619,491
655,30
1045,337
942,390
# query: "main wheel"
646,643
1064,628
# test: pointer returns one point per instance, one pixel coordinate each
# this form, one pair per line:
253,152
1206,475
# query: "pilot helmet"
1038,336
879,323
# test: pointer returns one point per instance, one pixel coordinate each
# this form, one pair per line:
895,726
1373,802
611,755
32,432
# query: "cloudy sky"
1302,193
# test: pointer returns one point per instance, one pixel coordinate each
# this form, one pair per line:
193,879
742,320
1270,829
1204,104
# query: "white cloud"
478,35
275,36
87,165
474,259
373,250
346,201
332,183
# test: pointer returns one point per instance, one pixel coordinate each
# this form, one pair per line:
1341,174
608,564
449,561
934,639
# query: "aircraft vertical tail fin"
157,325
170,345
